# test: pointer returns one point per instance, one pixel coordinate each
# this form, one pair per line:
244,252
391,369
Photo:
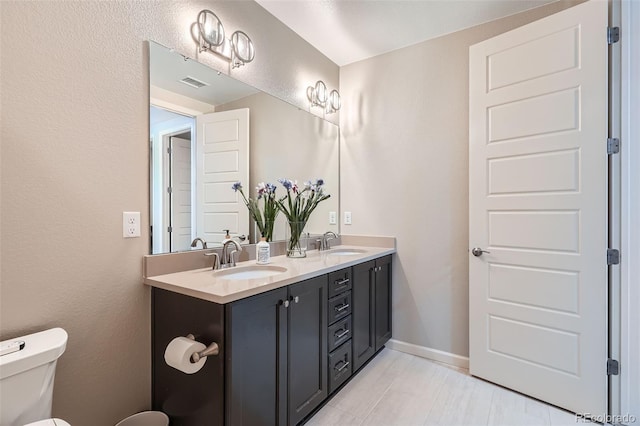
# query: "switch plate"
333,218
130,224
347,218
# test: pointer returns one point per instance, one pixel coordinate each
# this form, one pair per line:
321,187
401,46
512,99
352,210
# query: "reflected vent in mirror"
190,81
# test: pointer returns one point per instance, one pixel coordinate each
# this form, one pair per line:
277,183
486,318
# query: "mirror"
208,131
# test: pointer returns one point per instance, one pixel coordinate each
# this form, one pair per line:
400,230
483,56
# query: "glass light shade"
242,47
210,27
321,93
334,101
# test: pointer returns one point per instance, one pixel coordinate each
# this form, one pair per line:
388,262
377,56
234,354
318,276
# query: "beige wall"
404,172
74,156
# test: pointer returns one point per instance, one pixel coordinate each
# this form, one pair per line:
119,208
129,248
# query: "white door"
223,159
180,167
538,204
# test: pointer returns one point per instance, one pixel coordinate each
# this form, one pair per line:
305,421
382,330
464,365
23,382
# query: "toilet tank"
26,376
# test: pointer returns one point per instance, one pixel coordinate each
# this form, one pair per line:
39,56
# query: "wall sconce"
208,32
317,96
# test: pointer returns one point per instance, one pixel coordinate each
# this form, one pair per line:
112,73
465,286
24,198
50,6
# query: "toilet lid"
49,422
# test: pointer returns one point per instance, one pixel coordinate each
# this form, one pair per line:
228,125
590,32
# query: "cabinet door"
256,380
383,301
363,314
188,399
307,347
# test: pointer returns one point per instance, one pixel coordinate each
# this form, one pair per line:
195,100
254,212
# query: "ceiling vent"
190,81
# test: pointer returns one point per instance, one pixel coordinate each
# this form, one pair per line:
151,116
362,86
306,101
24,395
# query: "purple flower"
286,183
237,186
319,182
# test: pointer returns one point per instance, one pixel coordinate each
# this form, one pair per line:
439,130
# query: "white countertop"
211,285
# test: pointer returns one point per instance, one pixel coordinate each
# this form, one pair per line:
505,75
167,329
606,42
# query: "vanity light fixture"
208,32
317,96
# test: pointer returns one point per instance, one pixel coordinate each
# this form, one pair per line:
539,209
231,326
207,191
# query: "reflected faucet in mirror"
194,243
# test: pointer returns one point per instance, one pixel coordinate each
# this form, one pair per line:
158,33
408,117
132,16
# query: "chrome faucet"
194,243
228,260
324,242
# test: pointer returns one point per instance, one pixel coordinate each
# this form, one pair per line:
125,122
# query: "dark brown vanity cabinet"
277,355
371,294
281,353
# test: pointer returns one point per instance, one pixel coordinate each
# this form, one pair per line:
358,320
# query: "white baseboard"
429,353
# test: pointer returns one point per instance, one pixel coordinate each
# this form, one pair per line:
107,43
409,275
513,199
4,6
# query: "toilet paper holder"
212,349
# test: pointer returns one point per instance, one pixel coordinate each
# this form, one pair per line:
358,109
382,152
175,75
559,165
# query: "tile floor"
398,389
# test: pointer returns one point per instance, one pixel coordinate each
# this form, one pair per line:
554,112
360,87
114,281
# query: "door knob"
477,251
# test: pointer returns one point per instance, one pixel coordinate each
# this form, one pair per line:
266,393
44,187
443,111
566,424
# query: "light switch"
347,218
333,218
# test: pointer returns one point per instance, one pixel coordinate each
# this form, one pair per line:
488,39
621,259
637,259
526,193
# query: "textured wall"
74,156
404,172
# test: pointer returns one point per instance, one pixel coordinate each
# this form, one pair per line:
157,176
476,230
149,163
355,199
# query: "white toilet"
26,378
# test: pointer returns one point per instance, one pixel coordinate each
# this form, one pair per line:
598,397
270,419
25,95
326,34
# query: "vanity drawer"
339,333
339,282
339,366
339,307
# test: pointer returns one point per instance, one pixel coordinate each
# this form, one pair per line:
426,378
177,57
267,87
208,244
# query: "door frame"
625,395
162,143
165,138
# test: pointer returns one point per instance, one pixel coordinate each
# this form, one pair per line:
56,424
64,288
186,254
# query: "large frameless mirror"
208,131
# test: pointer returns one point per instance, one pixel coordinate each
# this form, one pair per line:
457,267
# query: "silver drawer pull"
342,307
341,282
341,335
344,365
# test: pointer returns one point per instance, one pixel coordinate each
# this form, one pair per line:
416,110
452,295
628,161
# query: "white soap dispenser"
263,252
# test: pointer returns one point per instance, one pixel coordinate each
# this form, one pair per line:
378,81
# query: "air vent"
190,81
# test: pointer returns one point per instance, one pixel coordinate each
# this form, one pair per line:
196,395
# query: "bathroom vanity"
287,341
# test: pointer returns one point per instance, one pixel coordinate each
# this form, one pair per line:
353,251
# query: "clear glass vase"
296,239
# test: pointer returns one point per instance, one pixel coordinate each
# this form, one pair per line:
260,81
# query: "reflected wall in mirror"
207,131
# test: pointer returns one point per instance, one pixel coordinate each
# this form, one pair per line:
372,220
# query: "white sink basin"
250,272
345,252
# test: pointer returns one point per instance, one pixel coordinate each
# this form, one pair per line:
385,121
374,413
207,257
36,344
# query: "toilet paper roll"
178,355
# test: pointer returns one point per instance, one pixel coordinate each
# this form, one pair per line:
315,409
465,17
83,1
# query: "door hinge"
613,34
169,150
169,229
613,367
613,256
170,190
613,146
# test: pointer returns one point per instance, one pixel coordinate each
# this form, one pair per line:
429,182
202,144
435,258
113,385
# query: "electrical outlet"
347,218
130,224
333,218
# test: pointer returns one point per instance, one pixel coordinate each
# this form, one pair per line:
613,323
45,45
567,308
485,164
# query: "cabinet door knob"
296,299
285,303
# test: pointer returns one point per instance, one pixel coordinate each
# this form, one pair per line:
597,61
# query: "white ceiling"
167,68
348,31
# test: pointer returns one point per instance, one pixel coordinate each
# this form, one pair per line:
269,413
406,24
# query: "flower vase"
296,240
